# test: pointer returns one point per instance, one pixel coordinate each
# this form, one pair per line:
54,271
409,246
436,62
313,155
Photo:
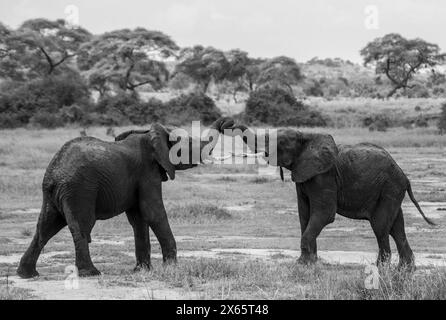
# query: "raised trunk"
206,145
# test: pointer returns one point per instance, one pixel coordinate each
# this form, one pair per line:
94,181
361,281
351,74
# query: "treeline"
53,74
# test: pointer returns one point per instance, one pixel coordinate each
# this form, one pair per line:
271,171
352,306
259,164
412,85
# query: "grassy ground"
229,207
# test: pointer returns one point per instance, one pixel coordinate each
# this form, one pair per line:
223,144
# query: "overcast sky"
300,29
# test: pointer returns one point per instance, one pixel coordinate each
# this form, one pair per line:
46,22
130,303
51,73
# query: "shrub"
189,107
141,113
278,107
442,121
378,122
45,119
421,121
40,97
9,120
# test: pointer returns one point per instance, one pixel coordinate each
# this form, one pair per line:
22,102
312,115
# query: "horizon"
265,30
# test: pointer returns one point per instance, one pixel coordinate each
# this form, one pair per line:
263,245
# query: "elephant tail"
415,202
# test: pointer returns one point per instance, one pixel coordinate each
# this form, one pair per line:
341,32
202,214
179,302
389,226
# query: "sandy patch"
43,258
108,242
26,211
240,208
97,288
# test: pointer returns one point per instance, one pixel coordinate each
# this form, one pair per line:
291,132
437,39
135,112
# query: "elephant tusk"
217,158
252,155
214,159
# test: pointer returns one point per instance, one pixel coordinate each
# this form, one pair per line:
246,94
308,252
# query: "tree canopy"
279,71
400,58
39,47
127,59
203,65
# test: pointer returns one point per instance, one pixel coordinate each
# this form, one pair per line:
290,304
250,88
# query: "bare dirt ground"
249,253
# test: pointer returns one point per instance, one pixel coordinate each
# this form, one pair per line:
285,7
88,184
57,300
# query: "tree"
9,65
40,47
279,71
442,120
243,71
127,59
400,58
203,65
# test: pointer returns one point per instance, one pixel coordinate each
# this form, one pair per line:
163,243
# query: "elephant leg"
398,234
142,240
322,212
49,224
381,222
152,210
303,206
80,222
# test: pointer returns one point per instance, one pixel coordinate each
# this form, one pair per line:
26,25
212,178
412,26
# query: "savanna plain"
237,231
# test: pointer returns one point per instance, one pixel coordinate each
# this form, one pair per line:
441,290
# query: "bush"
45,119
9,120
141,113
40,97
378,122
189,107
442,121
278,107
421,122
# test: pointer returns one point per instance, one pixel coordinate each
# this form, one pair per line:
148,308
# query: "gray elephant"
89,180
360,181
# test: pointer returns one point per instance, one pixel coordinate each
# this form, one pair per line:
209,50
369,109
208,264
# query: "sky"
301,29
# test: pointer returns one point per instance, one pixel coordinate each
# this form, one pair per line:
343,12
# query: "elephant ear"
159,138
318,155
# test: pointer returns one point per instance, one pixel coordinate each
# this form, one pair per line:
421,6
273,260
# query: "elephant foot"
90,272
170,257
307,258
27,272
406,266
143,266
170,260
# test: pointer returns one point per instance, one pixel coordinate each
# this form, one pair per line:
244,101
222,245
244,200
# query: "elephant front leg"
142,240
304,217
318,210
152,209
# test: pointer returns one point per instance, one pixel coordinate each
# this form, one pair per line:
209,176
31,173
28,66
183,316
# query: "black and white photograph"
225,150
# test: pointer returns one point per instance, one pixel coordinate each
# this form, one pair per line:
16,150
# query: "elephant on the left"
90,179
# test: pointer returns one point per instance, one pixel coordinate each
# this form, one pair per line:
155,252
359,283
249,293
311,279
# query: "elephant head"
304,154
167,144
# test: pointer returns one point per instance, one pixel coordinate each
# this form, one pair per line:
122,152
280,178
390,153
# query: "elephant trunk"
207,143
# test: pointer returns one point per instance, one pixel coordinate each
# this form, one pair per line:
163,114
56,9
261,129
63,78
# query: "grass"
233,278
347,112
397,284
198,213
9,292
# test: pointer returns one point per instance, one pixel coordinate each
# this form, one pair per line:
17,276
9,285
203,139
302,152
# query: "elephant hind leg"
381,222
50,222
142,239
81,219
399,236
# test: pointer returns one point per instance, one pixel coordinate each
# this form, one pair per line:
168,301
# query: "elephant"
89,179
360,181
